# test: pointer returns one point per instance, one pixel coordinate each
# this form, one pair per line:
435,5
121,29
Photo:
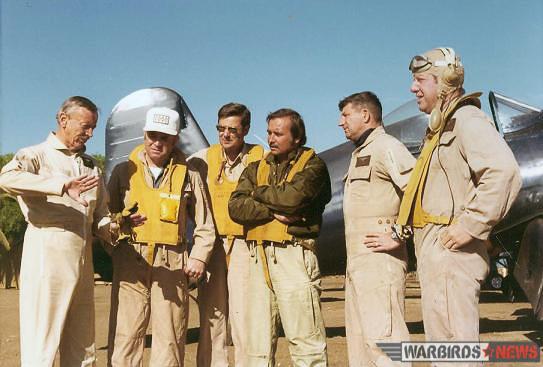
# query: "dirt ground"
500,321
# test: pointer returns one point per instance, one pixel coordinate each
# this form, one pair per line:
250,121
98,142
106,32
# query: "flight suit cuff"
474,227
201,253
56,186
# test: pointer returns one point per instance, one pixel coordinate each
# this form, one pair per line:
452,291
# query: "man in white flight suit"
224,296
375,281
63,199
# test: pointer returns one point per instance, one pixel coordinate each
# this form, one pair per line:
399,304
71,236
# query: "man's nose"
414,87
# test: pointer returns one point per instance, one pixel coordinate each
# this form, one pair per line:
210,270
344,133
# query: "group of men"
256,217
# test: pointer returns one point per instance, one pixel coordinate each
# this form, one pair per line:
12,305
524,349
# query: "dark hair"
297,126
77,102
364,99
236,109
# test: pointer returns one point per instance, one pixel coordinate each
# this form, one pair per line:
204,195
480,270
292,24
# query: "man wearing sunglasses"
223,297
152,195
464,182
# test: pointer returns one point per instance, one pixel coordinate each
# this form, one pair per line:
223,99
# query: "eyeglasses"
231,130
421,63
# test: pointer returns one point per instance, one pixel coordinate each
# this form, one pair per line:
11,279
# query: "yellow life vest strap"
229,246
150,253
265,267
412,199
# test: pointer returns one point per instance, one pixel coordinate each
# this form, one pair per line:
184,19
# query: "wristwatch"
394,236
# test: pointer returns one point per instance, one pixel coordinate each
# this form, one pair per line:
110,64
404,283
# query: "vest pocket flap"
169,209
447,138
360,173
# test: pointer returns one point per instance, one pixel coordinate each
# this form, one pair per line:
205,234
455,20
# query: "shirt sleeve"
102,220
242,206
494,170
399,163
204,230
292,198
20,177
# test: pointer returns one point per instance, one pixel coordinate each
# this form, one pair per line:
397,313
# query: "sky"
306,55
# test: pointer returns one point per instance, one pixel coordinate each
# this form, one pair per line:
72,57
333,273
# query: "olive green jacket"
305,195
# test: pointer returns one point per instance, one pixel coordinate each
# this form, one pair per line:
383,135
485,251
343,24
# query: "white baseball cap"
162,119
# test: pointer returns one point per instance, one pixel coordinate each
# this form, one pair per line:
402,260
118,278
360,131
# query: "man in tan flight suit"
63,199
464,182
375,281
153,193
224,296
280,200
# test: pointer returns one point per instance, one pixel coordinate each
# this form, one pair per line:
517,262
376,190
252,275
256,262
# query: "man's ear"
63,119
245,130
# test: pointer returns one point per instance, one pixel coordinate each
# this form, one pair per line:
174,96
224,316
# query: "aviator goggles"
421,63
231,130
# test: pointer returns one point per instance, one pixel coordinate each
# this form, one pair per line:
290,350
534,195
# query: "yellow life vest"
274,230
411,211
162,206
220,188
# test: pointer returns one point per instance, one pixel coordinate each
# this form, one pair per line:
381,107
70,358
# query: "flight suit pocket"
447,138
377,312
360,173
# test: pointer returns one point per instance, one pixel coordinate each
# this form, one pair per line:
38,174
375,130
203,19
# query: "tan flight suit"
284,276
473,177
223,298
57,279
375,282
149,280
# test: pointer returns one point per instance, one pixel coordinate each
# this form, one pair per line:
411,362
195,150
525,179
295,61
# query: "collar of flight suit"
54,142
378,131
240,157
178,158
270,158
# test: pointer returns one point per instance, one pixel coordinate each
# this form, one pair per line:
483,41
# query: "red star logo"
488,351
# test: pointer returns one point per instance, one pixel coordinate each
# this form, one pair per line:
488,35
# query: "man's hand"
455,237
195,268
287,219
381,242
75,187
136,219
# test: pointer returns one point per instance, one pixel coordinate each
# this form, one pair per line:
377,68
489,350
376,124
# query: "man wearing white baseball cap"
152,194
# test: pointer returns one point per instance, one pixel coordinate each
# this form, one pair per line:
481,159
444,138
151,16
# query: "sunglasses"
231,130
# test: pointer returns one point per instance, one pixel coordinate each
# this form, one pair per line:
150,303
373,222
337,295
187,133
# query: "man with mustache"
152,195
63,199
224,297
280,200
376,257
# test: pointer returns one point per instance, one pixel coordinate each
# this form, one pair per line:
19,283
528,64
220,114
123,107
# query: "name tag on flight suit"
363,161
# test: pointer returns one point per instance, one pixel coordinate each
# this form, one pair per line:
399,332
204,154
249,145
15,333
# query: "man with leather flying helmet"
463,183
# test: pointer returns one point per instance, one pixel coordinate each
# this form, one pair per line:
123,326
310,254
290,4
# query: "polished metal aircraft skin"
124,128
520,232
